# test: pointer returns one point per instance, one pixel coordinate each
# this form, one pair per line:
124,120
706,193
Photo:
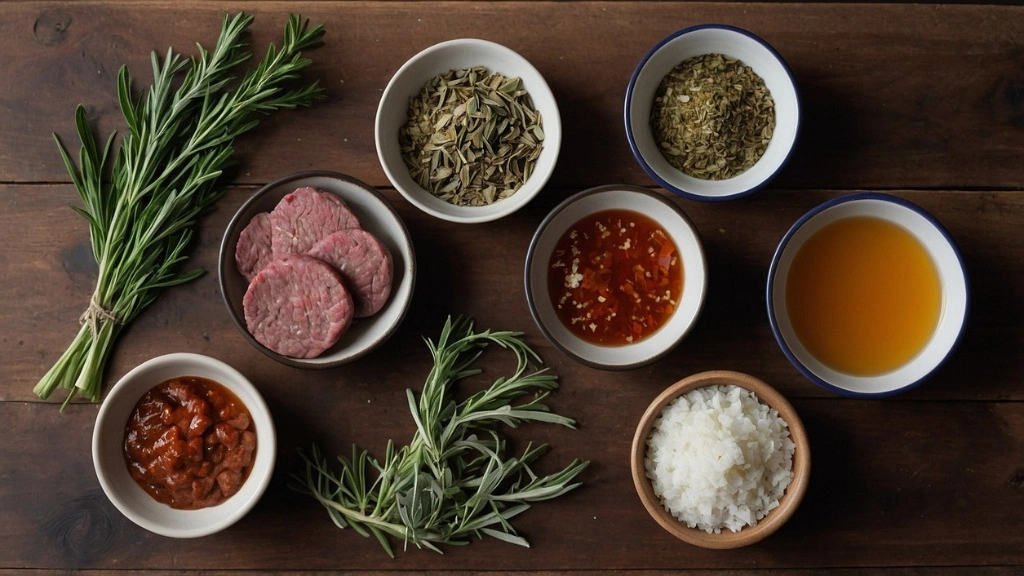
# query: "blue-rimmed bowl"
696,41
953,282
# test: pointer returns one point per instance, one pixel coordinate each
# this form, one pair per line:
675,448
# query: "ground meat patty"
364,263
297,306
304,217
253,250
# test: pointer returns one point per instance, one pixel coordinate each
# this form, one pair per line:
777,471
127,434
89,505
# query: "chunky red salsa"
190,443
615,277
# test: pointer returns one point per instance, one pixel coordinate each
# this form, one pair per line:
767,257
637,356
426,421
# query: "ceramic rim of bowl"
638,154
875,386
644,352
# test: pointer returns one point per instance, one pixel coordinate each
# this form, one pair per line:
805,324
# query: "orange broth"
615,277
863,295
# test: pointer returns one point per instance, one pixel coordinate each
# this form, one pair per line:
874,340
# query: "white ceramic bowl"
112,470
376,215
952,277
408,81
696,41
617,197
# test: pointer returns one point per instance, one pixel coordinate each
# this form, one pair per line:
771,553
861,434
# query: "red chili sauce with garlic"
615,277
190,443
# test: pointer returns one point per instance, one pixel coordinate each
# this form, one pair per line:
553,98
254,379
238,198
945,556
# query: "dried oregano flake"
712,117
472,136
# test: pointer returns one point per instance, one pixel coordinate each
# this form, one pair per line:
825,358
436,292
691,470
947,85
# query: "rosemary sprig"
143,214
456,479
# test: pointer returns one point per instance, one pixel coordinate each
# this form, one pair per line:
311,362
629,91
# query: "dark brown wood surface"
924,101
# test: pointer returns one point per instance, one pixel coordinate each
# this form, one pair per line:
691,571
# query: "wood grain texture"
477,272
882,108
880,492
925,101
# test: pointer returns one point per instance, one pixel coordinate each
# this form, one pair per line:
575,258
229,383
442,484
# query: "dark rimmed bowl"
376,215
944,253
730,41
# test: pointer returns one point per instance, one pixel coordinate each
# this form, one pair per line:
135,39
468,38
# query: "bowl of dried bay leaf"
712,112
468,131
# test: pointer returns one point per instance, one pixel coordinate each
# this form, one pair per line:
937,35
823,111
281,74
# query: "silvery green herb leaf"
472,137
456,479
143,209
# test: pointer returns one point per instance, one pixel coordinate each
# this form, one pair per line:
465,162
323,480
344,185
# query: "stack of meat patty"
311,269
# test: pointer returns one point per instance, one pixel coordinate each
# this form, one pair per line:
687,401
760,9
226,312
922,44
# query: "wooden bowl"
726,538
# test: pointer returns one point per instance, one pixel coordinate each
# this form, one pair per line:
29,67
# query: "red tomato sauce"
190,443
615,277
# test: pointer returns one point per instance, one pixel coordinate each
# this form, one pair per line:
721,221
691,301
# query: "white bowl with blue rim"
732,42
953,301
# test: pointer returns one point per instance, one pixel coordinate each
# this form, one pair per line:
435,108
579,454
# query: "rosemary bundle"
143,209
456,479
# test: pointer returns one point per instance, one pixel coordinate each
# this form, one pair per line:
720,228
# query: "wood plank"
880,492
874,571
924,100
895,95
51,275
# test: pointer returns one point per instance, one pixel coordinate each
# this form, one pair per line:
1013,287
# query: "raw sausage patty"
297,306
365,266
304,217
253,250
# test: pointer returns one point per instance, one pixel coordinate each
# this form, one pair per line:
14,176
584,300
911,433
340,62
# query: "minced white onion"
719,458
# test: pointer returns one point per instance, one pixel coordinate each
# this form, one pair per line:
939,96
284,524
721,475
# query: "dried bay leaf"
472,136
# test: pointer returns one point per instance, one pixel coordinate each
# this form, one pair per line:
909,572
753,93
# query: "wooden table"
923,101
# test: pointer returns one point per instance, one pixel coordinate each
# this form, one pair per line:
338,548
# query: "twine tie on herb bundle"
96,312
163,176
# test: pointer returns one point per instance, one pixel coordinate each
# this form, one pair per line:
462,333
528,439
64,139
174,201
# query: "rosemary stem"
143,207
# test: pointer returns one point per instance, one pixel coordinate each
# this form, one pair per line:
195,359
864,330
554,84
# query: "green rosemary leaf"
456,478
164,177
506,537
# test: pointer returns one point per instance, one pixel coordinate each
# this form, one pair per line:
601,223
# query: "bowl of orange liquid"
867,295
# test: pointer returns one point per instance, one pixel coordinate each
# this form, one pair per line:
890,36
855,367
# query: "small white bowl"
376,215
952,278
408,81
112,470
696,41
617,197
